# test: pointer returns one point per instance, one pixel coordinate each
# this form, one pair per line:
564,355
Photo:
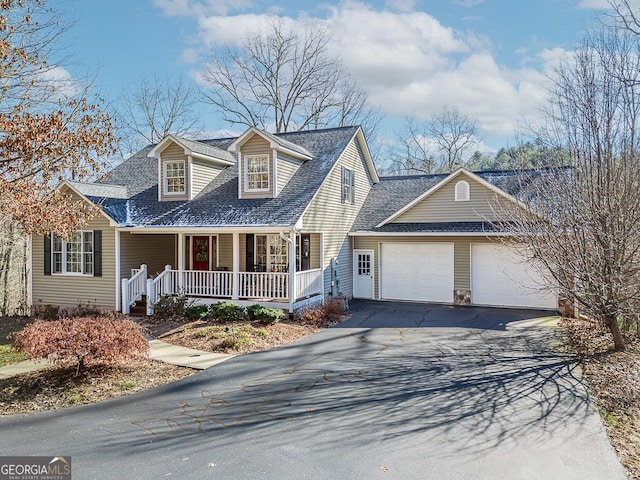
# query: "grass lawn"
8,355
9,325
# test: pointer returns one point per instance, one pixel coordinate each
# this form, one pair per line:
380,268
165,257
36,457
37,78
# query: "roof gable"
459,174
195,149
275,142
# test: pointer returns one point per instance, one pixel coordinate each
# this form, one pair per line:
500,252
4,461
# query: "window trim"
63,253
247,158
165,183
347,190
458,194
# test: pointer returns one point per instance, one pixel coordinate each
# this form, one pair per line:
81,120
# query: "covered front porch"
279,269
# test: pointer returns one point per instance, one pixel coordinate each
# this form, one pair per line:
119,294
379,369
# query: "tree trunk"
616,333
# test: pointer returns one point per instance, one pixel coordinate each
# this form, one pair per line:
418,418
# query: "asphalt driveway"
399,391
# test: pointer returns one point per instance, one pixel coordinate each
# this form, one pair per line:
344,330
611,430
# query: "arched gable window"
462,191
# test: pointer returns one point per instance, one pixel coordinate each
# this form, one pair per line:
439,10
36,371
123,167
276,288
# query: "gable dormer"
185,166
266,163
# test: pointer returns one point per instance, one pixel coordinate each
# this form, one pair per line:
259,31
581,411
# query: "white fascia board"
430,234
210,229
209,158
64,183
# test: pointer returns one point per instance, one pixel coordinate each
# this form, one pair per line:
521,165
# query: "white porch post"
236,266
322,267
118,274
181,262
292,270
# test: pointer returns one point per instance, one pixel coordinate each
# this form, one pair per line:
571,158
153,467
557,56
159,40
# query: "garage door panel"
417,271
500,277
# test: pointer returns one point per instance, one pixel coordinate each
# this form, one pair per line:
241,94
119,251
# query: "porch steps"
140,308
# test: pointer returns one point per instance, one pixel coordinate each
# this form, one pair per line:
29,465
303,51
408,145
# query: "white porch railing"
200,283
309,282
133,288
219,284
271,285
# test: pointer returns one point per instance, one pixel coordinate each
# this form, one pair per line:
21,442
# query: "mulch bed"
57,387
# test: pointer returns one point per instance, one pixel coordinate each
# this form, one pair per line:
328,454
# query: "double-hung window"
347,185
256,173
174,178
74,255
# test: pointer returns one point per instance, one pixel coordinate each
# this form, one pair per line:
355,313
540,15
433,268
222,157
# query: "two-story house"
284,220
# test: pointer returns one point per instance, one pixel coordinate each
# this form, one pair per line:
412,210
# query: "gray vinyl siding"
203,173
440,206
314,251
171,154
328,214
461,255
155,251
286,167
74,290
225,251
256,145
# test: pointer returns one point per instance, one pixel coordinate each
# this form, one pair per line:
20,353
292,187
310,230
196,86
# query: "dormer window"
174,178
462,191
256,173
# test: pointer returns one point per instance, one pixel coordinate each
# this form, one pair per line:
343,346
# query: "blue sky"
489,58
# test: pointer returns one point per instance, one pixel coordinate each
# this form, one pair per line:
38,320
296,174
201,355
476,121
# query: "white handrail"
163,284
309,282
133,288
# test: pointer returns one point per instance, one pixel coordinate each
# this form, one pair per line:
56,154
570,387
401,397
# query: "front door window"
201,253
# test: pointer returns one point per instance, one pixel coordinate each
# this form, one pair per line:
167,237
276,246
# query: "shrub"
46,312
236,340
171,306
81,310
331,312
264,314
196,312
106,340
228,312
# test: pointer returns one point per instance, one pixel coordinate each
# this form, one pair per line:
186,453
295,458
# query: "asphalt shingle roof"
218,203
205,149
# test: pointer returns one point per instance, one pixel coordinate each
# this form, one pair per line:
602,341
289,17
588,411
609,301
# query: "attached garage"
417,271
500,277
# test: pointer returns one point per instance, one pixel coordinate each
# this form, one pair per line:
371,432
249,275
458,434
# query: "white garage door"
500,277
417,271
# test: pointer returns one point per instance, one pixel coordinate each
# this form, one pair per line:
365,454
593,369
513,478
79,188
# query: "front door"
201,253
363,273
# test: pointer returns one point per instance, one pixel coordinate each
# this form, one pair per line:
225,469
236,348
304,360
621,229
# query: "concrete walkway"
158,350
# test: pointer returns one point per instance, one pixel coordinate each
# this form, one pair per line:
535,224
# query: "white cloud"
55,83
594,4
402,5
412,64
468,3
184,8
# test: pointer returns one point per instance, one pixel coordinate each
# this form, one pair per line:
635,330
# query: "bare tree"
625,14
284,79
440,144
581,223
154,108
